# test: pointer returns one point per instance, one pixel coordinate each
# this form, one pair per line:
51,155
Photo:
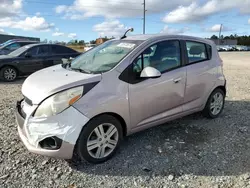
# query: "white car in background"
241,48
89,47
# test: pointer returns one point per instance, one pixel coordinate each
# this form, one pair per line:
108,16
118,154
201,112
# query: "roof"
27,41
163,35
40,44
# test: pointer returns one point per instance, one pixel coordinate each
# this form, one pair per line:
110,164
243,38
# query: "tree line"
76,42
242,40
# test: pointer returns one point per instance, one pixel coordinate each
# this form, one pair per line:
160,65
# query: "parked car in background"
31,58
89,47
12,40
232,48
241,48
218,48
12,46
118,88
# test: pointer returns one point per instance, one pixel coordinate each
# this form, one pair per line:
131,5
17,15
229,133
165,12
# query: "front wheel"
215,104
8,74
99,139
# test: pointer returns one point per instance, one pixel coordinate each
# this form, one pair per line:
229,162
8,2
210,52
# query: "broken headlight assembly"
58,102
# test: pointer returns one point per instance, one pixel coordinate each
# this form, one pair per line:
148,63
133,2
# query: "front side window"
196,52
33,51
105,56
43,50
163,56
39,51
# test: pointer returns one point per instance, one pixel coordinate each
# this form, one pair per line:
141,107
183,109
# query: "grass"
79,48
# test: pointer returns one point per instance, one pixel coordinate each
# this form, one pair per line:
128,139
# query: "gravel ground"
190,152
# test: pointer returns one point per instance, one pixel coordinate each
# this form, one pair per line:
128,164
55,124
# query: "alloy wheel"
216,103
102,140
10,74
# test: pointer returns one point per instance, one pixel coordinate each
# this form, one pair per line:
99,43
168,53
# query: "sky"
64,20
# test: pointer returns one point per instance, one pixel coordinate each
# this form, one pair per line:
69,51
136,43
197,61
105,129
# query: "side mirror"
27,54
67,60
150,72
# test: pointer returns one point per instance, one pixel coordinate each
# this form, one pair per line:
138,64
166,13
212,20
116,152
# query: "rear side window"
196,52
33,51
61,50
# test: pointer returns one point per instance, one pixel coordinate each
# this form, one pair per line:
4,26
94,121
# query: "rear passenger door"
32,63
200,74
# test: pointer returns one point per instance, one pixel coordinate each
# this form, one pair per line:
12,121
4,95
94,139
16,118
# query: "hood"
46,82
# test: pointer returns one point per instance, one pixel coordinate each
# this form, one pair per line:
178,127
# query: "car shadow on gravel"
191,145
19,80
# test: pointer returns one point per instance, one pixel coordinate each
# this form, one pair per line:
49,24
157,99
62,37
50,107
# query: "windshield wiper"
81,70
67,62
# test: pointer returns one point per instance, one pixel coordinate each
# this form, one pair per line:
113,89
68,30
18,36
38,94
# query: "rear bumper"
65,151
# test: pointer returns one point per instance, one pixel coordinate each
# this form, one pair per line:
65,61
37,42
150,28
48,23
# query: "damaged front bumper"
63,128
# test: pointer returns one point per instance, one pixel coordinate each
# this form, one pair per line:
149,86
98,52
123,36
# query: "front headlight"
59,102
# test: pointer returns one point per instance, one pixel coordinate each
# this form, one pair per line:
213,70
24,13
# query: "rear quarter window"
62,50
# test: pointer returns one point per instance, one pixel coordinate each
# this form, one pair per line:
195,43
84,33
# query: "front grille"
28,101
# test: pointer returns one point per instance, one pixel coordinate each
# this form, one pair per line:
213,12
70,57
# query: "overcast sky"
64,20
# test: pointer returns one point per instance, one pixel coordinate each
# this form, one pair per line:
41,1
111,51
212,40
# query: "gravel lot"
190,152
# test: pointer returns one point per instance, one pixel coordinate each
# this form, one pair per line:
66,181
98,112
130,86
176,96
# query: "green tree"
81,42
214,37
231,37
241,40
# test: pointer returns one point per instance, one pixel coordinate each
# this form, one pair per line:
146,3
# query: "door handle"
177,80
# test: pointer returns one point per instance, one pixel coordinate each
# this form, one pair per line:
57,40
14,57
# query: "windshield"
19,51
104,57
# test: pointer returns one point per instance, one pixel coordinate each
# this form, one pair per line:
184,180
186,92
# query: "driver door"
32,63
153,100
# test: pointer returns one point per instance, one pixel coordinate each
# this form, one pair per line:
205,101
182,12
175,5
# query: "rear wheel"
8,74
215,104
99,139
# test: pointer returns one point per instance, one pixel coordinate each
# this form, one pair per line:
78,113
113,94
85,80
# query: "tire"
211,112
8,74
89,134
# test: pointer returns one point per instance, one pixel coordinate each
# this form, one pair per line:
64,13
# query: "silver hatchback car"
118,88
